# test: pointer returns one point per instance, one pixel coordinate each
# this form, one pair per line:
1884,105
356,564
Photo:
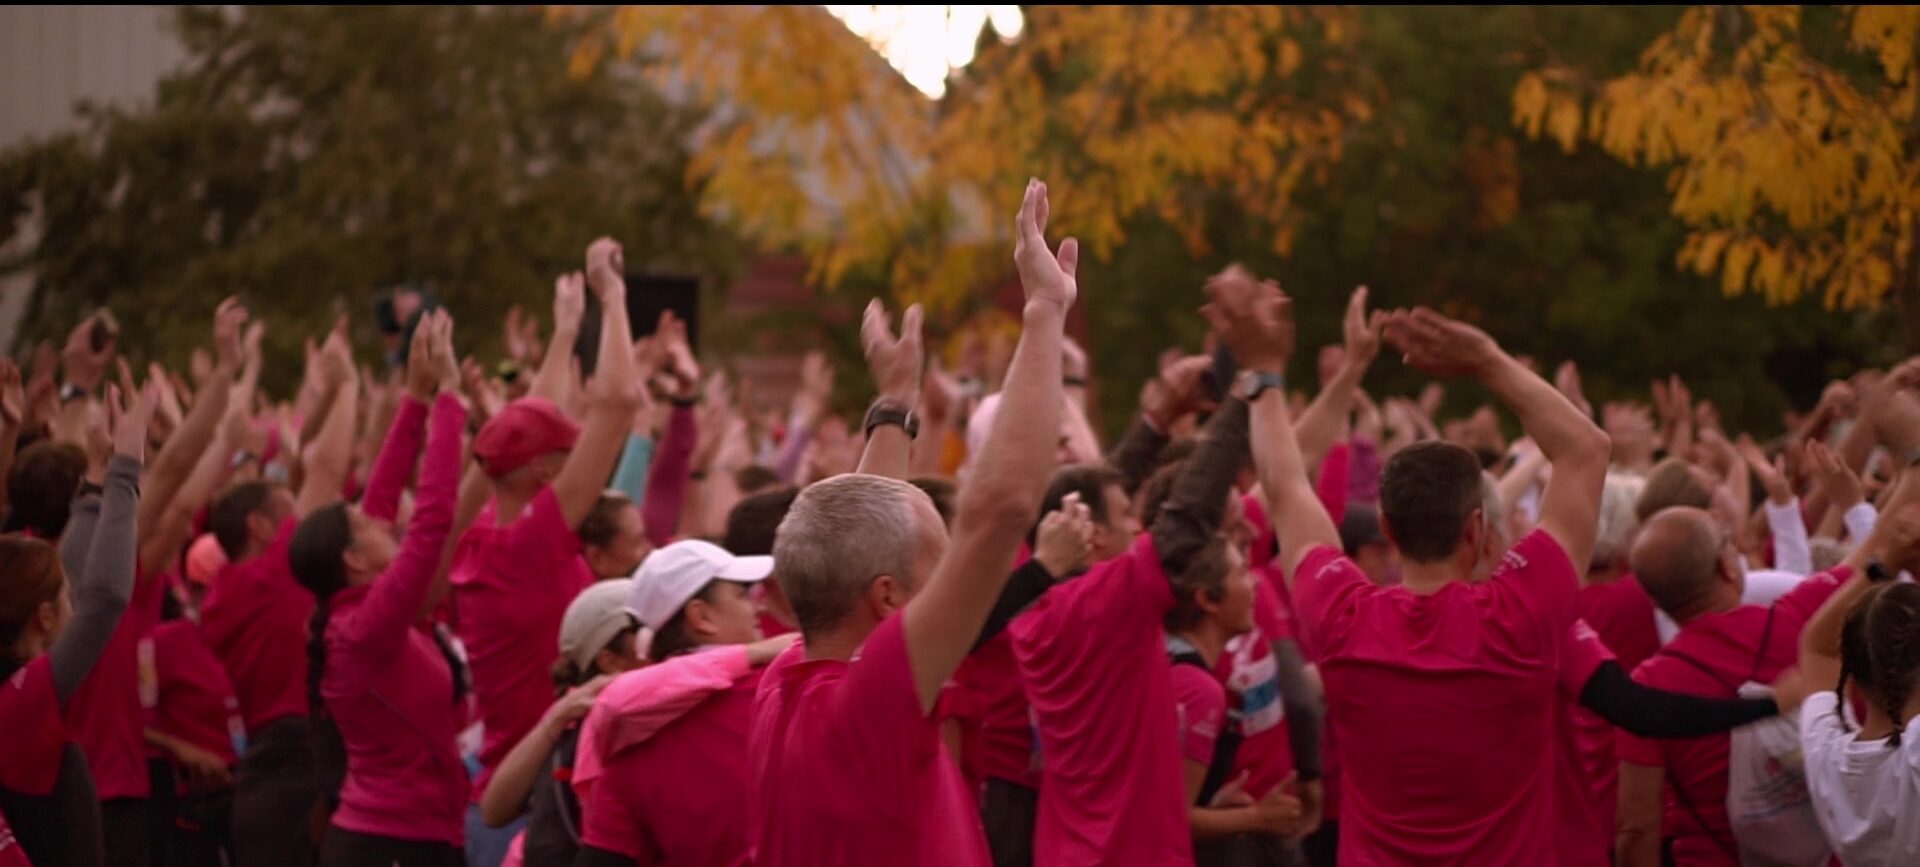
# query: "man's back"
1094,660
848,769
1443,705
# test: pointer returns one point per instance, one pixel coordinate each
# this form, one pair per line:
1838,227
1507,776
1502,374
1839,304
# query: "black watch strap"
887,412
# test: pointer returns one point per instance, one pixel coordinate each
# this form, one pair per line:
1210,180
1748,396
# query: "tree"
1792,138
1173,111
304,157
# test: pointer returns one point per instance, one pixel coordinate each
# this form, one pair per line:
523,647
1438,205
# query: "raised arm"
614,390
555,378
177,458
1002,496
896,364
329,455
379,625
104,586
1324,419
1577,449
1256,320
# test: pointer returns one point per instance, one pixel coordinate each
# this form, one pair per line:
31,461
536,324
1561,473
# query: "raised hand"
422,377
1254,318
1841,483
1838,400
83,365
681,366
130,424
1064,542
569,300
1360,330
1772,474
1045,275
895,362
229,321
1567,380
1439,345
606,271
336,356
1177,391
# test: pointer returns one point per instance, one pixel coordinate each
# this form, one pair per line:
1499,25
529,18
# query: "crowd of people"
524,614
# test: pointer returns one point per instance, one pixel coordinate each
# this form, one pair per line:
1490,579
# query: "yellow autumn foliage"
1163,110
1793,174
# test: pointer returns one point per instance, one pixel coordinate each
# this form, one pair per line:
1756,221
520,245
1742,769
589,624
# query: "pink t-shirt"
696,822
1621,613
1733,647
195,701
1585,785
1093,655
511,585
256,621
990,704
1249,670
1200,711
1444,707
105,712
36,734
847,768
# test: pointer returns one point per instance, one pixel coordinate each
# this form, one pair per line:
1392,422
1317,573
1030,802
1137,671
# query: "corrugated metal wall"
53,56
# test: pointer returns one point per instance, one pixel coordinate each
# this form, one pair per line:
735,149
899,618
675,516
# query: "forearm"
1029,582
1325,419
554,379
1196,505
1213,822
1792,550
1305,708
506,795
670,476
1637,848
887,453
169,533
330,455
1134,455
630,477
1657,713
105,586
1896,422
394,465
192,438
1299,522
793,449
1555,425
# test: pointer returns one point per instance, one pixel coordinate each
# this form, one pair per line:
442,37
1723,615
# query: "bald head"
1677,558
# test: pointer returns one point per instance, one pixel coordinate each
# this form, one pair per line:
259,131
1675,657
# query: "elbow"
1594,444
494,811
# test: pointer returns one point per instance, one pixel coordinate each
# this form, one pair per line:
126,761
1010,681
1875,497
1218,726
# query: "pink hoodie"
386,684
640,703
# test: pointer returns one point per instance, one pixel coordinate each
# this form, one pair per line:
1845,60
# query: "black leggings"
343,848
276,795
1009,812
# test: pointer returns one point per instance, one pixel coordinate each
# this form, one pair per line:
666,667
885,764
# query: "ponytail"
314,557
1856,661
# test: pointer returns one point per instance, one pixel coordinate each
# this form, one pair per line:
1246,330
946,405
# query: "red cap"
526,429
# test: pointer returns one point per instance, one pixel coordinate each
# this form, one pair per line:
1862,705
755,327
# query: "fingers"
1025,233
1069,257
910,326
1042,209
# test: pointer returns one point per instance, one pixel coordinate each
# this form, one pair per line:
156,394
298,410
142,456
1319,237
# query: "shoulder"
1536,553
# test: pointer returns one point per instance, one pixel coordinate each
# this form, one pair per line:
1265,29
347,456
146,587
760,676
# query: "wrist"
1040,311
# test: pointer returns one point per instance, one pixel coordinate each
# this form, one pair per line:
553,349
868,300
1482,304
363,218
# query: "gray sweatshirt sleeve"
103,585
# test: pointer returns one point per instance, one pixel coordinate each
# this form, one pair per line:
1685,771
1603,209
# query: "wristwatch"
1250,383
885,412
70,393
1877,572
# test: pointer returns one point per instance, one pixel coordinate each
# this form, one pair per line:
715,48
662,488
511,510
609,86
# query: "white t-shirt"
1866,793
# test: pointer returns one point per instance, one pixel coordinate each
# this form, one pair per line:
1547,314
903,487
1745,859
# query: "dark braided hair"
314,556
1856,661
1893,640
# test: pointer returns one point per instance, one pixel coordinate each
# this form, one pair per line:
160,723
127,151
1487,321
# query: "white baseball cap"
672,575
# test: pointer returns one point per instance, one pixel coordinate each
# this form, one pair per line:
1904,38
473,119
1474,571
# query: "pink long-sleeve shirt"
386,683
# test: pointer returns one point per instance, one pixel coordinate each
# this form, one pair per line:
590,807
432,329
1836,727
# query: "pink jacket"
640,703
386,684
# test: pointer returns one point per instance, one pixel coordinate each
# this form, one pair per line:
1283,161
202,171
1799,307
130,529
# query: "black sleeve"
593,857
1656,713
1136,451
1029,582
1304,705
1197,504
